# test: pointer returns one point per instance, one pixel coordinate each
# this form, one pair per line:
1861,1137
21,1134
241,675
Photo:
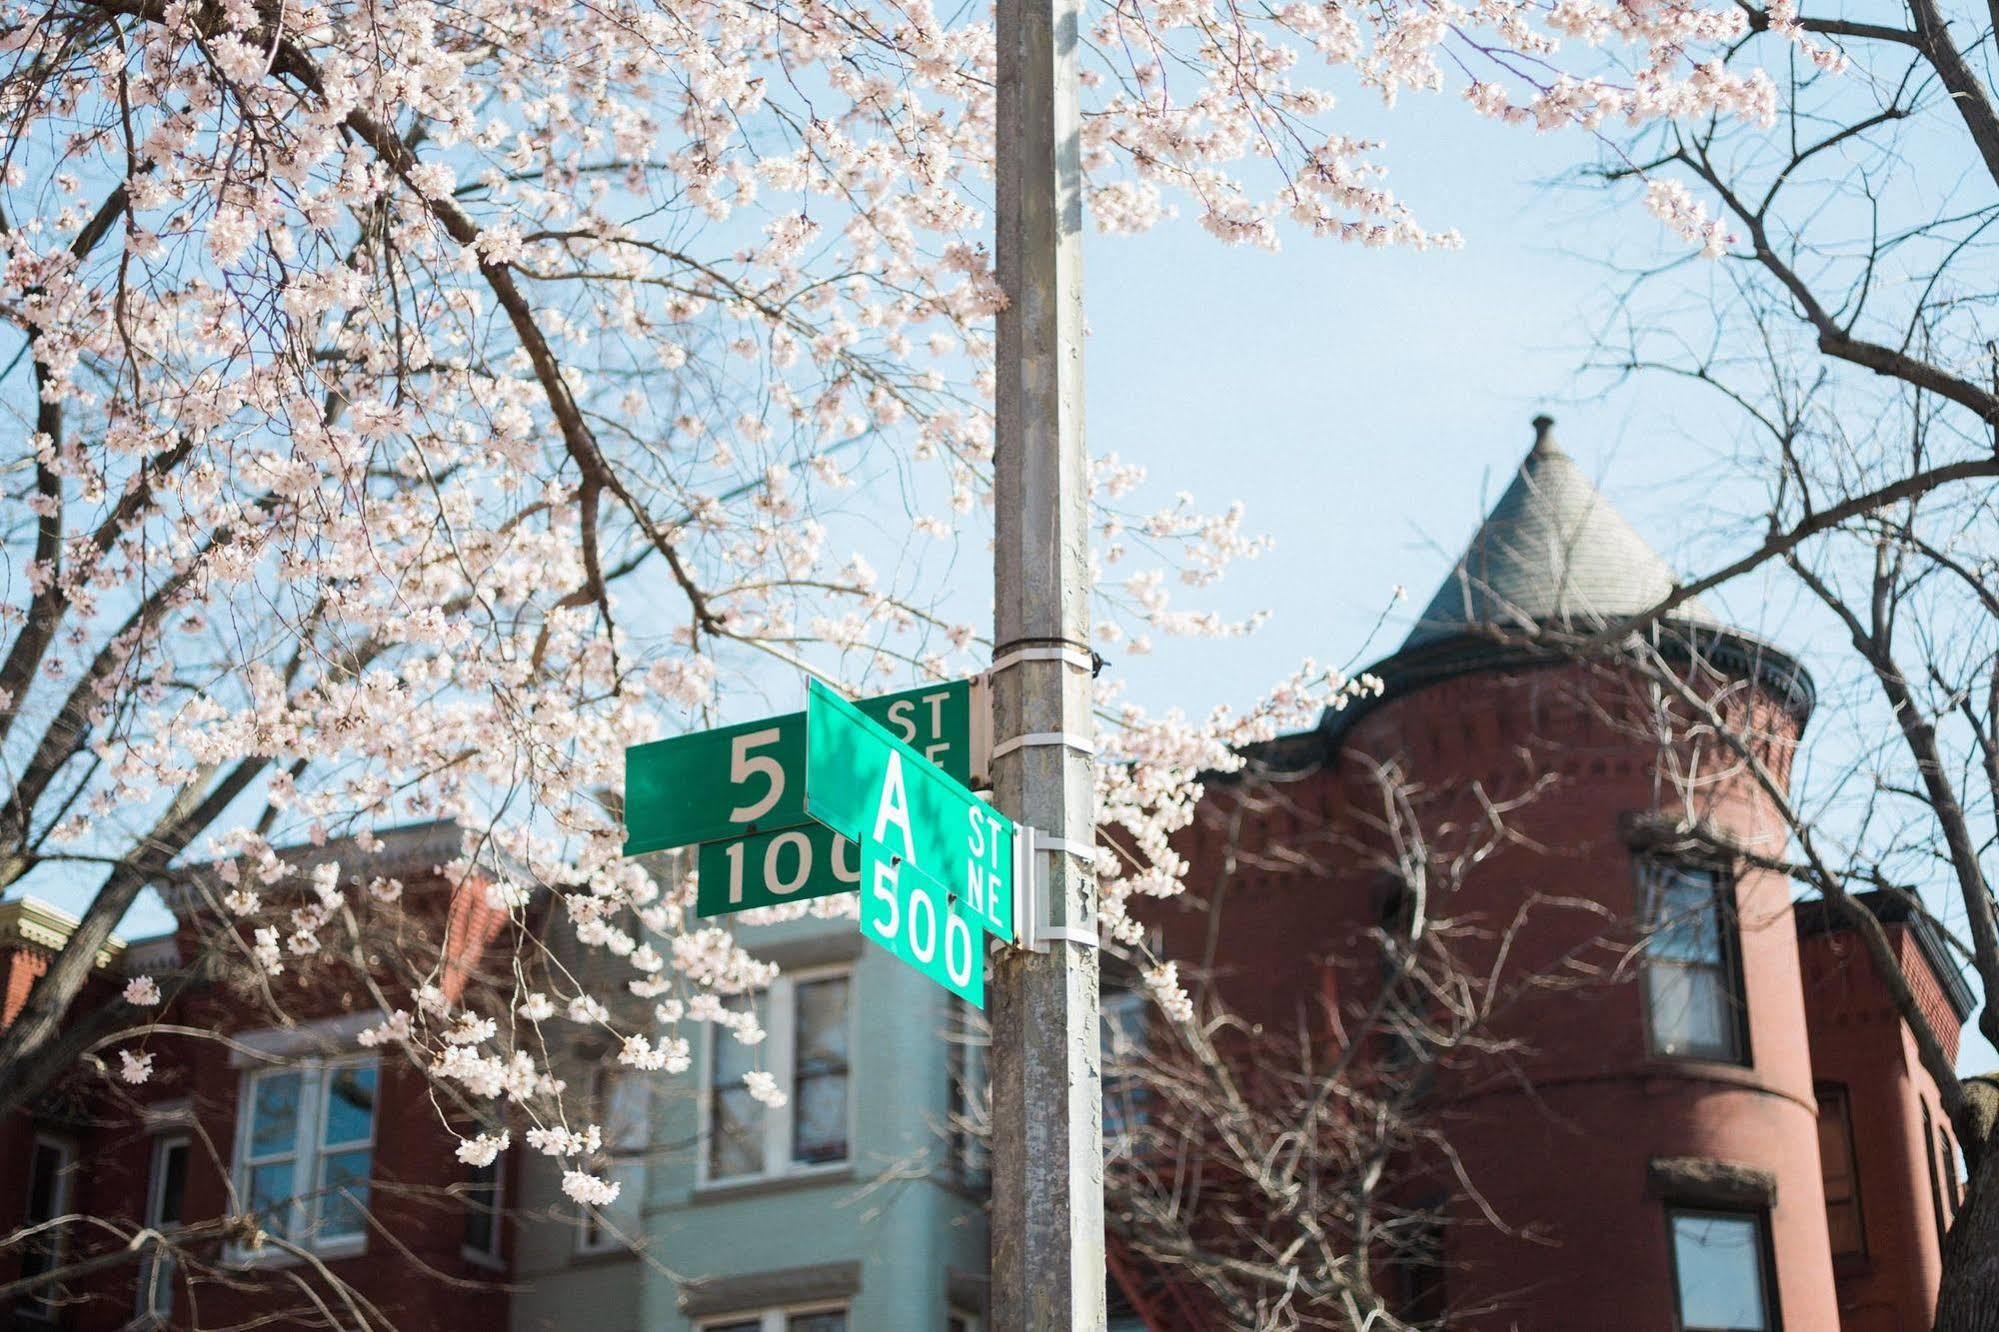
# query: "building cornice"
1816,916
29,922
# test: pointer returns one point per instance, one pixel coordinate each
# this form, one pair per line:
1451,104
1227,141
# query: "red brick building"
339,1149
1714,1118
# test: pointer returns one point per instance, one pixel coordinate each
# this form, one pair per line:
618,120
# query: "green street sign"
910,914
744,780
863,782
771,869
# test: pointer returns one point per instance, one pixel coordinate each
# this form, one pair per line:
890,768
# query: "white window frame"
39,1308
627,1161
307,1151
776,1319
780,1012
157,1267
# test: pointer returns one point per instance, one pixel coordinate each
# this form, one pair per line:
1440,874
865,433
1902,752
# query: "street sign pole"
1047,1116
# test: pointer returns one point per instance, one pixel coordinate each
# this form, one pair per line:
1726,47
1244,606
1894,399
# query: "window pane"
156,1284
1122,1040
274,1115
731,1058
1689,1010
1720,1271
831,1321
819,1120
735,1120
44,1182
43,1253
344,1192
173,1184
624,1098
822,1026
482,1196
1681,912
735,1135
819,1073
350,1104
1842,1185
740,1325
271,1192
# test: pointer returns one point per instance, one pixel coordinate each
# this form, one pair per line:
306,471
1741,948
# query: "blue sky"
1368,405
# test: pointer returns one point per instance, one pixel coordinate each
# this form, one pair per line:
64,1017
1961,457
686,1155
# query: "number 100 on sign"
774,868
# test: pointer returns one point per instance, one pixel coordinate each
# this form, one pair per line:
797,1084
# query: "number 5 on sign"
910,914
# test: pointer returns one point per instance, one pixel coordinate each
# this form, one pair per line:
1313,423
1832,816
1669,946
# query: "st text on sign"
864,783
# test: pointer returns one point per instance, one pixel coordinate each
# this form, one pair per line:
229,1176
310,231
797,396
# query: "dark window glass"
735,1120
482,1203
1947,1162
1419,1272
48,1198
832,1320
1936,1179
819,1072
1720,1267
1692,995
970,1096
166,1193
1842,1179
1122,1038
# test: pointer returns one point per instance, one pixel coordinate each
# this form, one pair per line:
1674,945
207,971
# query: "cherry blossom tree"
414,405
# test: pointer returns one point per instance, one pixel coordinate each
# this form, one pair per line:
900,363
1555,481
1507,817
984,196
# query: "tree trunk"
1968,1299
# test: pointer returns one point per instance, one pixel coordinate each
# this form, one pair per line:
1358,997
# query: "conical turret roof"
1552,551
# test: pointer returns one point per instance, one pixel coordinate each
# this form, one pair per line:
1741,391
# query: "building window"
1693,992
166,1192
483,1185
622,1098
1122,1041
1947,1159
971,1096
306,1148
49,1163
1721,1270
780,1320
1417,1264
1842,1178
808,1022
1936,1178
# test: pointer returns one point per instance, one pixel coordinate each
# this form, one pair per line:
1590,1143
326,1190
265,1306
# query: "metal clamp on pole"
1045,740
1030,891
1072,654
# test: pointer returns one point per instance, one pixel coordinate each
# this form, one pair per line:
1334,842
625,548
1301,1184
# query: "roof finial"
1544,438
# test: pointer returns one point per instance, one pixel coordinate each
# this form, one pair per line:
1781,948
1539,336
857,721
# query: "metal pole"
1047,1160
